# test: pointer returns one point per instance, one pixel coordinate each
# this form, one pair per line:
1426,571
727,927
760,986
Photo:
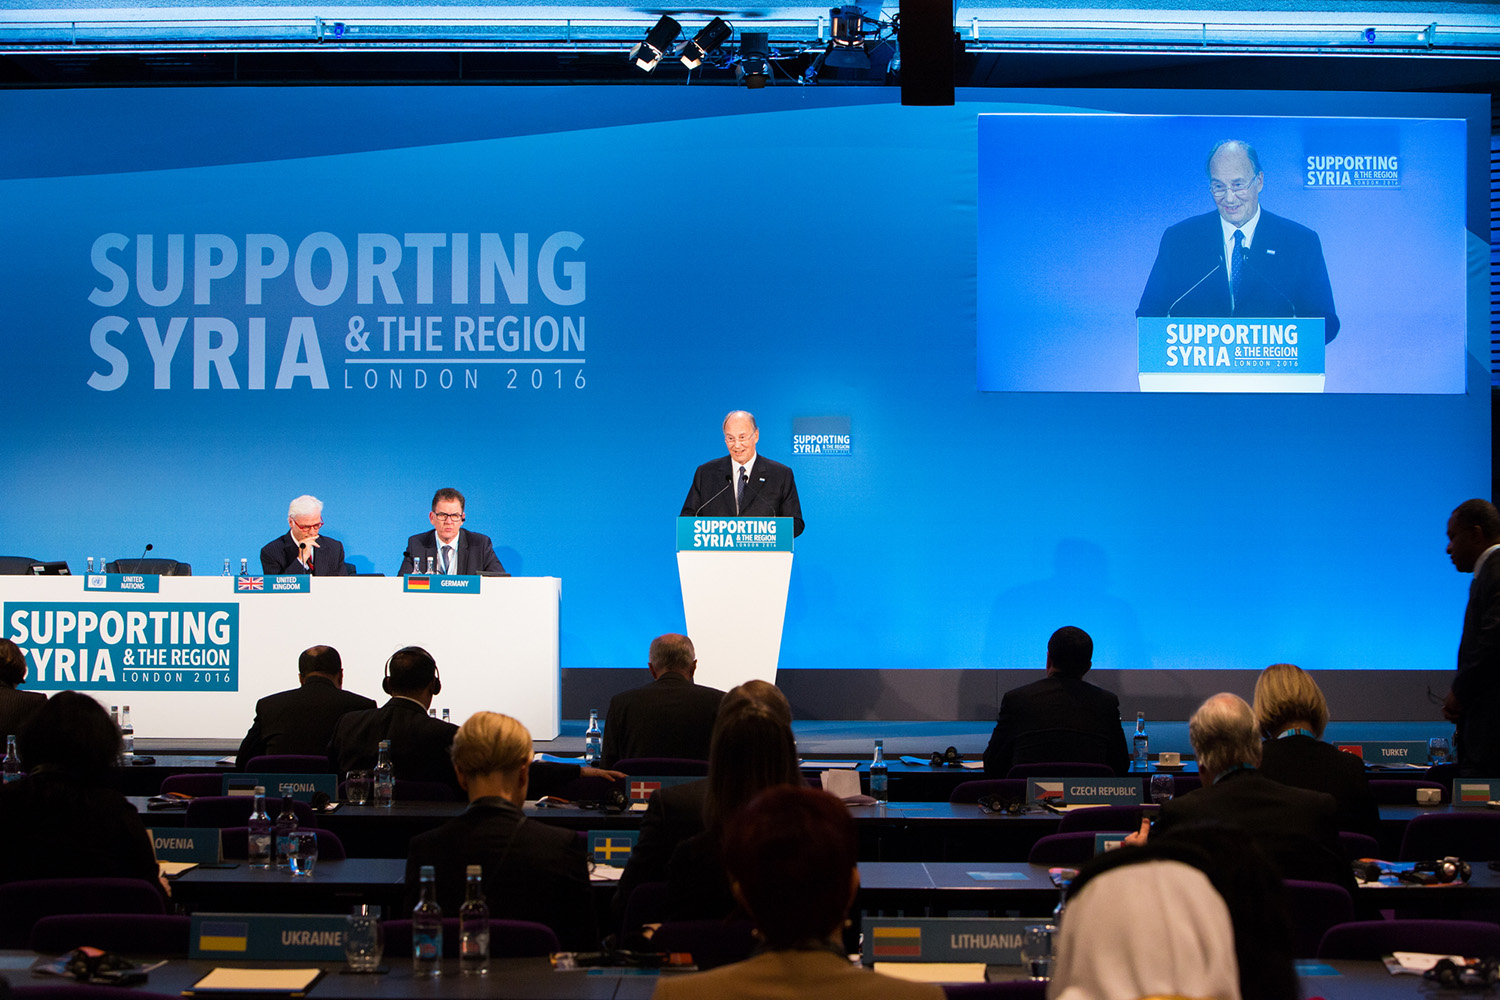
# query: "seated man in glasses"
304,549
450,547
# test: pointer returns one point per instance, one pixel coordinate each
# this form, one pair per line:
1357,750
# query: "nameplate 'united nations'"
129,583
734,534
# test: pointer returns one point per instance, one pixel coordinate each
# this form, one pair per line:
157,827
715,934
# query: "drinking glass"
1036,950
302,853
357,787
364,938
1438,750
1163,786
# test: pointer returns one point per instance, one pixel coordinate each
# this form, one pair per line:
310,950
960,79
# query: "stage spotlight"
847,50
658,41
754,67
711,36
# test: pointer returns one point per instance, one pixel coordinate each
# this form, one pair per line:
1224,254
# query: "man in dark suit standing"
1239,260
532,871
1473,703
671,716
1060,709
15,706
302,720
304,549
743,483
450,547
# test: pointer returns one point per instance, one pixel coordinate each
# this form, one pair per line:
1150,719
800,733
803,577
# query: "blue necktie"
1236,264
739,493
447,555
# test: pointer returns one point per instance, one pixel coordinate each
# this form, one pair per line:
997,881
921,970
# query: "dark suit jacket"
1293,826
279,556
1477,684
419,743
1303,762
673,816
58,825
16,707
670,717
1284,273
300,720
770,492
532,871
475,553
1057,702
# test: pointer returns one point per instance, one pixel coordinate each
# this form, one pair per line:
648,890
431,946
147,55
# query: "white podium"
735,572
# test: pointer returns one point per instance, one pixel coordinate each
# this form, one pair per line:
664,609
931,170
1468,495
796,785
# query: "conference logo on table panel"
140,646
410,312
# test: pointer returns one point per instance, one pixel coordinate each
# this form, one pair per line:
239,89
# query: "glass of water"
1439,750
302,853
357,787
1163,786
364,938
1036,950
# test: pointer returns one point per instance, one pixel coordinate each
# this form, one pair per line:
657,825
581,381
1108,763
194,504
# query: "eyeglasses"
450,518
308,527
1219,190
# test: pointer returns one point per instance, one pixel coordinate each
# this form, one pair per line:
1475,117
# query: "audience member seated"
671,716
1292,714
1060,710
64,820
419,743
532,871
302,720
1294,827
676,814
15,706
791,854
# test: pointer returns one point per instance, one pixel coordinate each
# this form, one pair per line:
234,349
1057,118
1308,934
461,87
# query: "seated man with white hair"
304,549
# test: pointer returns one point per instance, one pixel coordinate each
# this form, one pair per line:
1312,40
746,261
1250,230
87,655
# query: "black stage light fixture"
754,67
658,42
709,37
847,50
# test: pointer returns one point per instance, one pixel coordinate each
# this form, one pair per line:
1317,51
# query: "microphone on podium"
728,482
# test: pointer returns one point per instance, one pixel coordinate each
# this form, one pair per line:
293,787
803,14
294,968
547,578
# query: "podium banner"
1230,354
735,573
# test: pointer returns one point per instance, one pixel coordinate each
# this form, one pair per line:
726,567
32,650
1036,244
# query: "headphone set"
417,651
1477,974
1439,872
949,758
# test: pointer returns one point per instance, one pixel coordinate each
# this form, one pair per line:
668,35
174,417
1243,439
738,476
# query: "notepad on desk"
172,869
291,982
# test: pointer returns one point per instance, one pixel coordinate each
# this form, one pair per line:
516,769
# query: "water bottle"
474,926
1141,754
445,717
127,736
593,739
432,713
11,766
430,566
427,929
286,825
260,831
385,775
880,787
244,566
90,569
226,568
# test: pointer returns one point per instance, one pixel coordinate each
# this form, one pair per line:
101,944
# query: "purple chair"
1010,789
1358,845
1102,818
234,810
289,763
712,943
236,844
22,904
1403,791
1069,849
1061,769
663,766
1314,907
1372,939
508,939
159,936
196,785
1473,836
1012,989
83,991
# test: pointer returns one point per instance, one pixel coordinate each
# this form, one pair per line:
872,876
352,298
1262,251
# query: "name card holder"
290,583
991,940
302,787
612,847
1473,791
440,583
1084,791
127,583
199,845
271,937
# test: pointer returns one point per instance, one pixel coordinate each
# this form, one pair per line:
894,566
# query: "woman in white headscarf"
1155,929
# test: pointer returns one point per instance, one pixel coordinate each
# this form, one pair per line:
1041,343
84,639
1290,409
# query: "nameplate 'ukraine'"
991,940
301,787
1084,791
186,843
291,583
129,646
274,937
128,583
440,583
734,534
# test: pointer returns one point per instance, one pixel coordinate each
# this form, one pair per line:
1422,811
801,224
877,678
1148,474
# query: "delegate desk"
192,658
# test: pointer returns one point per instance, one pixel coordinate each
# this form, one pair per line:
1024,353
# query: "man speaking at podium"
742,483
1239,260
303,550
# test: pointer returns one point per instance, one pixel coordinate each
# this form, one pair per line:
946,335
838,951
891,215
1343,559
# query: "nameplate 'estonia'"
993,941
292,583
1084,791
301,787
129,583
734,534
439,583
186,843
276,937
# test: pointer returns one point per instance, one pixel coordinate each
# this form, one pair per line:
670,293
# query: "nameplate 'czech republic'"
734,534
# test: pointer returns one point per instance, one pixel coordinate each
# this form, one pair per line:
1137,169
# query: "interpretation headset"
420,654
1441,871
1477,974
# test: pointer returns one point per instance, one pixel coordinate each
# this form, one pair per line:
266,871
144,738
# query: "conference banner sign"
134,646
